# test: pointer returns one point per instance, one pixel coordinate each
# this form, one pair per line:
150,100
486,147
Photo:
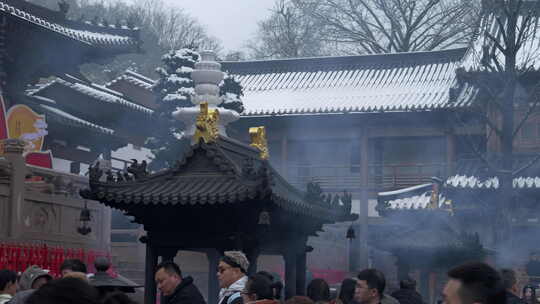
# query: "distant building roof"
133,78
76,103
95,91
418,81
472,175
108,38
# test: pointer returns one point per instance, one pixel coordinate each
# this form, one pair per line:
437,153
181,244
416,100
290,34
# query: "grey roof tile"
121,39
372,83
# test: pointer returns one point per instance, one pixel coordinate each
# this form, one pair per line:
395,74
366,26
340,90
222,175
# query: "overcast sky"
231,21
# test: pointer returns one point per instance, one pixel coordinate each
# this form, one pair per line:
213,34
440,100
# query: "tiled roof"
133,78
527,58
418,81
412,198
102,37
418,197
48,107
475,182
223,172
97,92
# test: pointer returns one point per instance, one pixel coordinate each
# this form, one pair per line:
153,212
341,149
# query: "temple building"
378,126
221,195
40,206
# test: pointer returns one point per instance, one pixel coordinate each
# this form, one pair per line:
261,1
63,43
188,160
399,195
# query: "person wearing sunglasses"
232,277
258,290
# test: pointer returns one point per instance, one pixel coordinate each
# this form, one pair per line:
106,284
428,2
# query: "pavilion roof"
400,82
220,173
101,37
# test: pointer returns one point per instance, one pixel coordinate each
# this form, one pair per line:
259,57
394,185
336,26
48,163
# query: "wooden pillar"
284,157
253,257
450,154
290,273
213,283
150,291
301,269
364,199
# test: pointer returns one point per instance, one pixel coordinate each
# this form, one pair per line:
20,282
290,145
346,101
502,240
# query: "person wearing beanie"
33,278
232,270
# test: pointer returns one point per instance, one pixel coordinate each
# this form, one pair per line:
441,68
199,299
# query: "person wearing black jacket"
407,293
175,288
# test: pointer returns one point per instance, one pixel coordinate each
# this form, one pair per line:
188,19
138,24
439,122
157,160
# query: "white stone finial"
207,76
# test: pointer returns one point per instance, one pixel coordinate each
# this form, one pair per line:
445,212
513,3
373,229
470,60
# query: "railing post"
13,150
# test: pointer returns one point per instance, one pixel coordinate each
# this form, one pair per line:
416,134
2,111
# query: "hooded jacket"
185,293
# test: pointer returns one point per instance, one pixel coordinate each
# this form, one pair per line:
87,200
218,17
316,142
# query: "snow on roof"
370,83
404,190
473,182
58,114
135,79
99,36
409,198
421,201
97,92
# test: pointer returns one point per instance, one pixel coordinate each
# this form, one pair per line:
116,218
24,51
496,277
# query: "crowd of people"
470,283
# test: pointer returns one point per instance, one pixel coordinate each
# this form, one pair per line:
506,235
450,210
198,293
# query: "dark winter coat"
513,299
186,293
408,296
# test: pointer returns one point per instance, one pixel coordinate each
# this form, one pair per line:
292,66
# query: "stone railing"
43,206
54,182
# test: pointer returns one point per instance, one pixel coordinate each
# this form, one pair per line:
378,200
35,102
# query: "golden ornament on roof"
258,140
207,124
434,199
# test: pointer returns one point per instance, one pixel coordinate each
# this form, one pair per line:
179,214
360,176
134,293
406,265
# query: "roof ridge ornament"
207,124
258,140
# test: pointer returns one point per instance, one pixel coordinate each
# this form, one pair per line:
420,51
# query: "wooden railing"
380,176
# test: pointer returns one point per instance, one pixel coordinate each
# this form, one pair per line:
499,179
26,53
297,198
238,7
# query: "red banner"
18,257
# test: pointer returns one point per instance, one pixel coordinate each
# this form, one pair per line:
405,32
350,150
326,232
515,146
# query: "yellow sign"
25,124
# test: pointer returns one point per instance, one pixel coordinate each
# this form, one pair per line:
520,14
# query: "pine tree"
231,92
173,90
